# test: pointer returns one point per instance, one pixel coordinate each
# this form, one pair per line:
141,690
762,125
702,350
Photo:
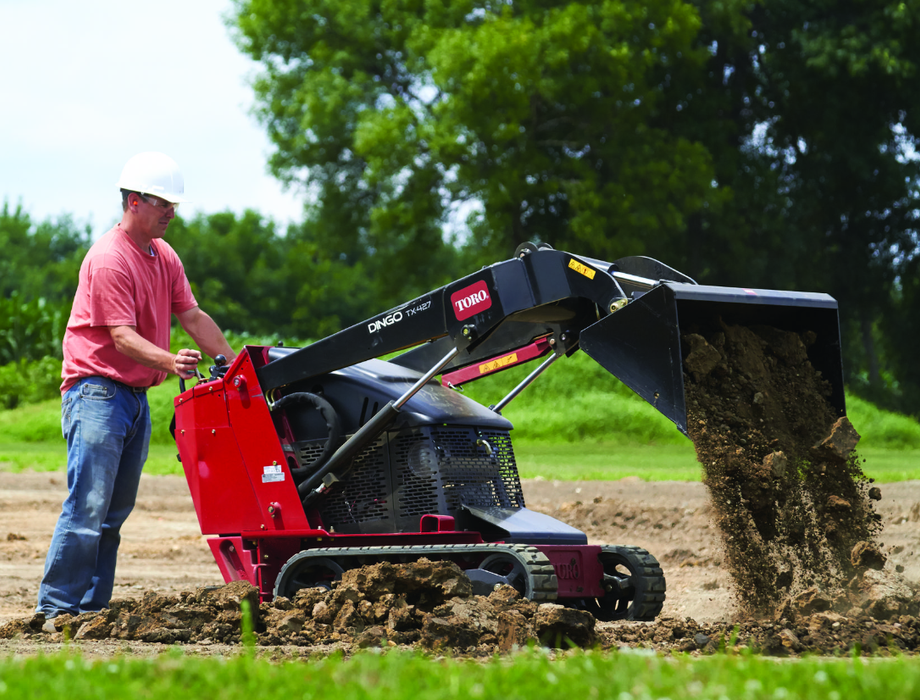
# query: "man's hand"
205,333
186,363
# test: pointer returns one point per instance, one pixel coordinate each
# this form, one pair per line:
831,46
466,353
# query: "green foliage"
32,381
251,278
180,339
33,423
575,401
881,428
758,144
31,330
39,261
30,438
900,333
38,276
824,194
162,408
27,382
540,119
721,137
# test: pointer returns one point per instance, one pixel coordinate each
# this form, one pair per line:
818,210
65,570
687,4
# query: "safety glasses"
158,203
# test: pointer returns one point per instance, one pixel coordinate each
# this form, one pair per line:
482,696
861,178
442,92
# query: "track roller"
634,583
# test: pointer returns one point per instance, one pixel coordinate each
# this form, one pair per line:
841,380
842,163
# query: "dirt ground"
163,551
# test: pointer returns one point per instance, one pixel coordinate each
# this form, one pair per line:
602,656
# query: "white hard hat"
156,174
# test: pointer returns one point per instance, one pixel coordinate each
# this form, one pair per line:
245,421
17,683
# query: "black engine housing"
445,455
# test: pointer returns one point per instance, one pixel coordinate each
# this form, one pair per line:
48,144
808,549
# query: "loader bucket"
641,344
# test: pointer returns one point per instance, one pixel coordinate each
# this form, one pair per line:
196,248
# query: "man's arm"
129,342
206,333
184,363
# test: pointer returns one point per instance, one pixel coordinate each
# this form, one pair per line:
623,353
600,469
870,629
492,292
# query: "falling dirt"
793,507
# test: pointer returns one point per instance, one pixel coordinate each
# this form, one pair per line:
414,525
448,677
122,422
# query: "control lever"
219,368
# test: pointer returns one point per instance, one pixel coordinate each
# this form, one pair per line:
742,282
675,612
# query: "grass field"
579,424
594,461
530,675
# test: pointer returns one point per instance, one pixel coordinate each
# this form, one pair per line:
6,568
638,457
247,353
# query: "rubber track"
540,572
655,586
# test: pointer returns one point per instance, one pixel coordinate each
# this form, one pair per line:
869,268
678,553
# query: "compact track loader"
306,462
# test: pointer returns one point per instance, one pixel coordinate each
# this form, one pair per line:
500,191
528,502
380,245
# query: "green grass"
52,456
886,466
882,429
575,422
592,461
597,461
531,675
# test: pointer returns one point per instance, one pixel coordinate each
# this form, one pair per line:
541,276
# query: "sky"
86,85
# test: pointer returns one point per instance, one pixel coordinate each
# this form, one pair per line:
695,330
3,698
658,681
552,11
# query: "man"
116,346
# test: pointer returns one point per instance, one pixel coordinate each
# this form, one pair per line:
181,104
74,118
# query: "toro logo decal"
471,300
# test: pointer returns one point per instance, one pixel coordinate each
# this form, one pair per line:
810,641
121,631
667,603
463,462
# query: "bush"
31,330
26,382
29,380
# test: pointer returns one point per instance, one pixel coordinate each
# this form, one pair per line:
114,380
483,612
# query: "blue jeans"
107,428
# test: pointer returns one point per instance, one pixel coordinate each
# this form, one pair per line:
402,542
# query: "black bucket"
641,343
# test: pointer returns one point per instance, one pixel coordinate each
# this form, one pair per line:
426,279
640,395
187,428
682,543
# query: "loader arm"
500,307
630,316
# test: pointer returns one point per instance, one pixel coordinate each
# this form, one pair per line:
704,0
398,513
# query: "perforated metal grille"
363,496
429,470
478,468
309,452
416,464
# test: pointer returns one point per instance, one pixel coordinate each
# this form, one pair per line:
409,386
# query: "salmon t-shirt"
121,285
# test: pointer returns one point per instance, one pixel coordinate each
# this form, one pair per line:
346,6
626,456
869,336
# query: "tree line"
767,143
761,144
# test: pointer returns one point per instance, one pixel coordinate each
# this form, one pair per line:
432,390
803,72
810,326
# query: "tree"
901,333
538,117
38,277
253,279
40,261
830,116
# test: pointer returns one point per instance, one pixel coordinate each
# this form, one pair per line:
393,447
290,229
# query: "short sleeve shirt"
121,285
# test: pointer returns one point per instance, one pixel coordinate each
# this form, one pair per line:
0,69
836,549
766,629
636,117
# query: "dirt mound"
826,633
424,604
427,606
790,500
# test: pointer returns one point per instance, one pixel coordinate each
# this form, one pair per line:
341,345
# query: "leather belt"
135,389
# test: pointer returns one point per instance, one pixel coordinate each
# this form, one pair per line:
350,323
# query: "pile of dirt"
792,504
426,605
825,633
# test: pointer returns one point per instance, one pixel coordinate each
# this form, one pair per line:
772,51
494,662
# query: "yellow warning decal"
583,269
498,364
